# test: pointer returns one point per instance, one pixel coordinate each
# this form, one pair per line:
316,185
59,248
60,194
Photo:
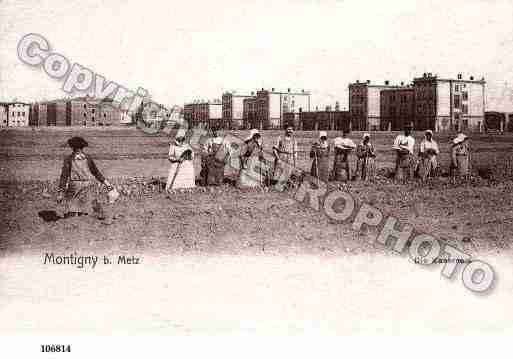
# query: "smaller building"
397,108
18,114
318,120
498,121
233,110
207,113
250,113
4,121
364,104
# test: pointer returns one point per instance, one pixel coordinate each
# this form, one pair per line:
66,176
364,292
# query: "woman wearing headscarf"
343,146
320,154
460,155
77,183
365,166
251,172
181,156
428,156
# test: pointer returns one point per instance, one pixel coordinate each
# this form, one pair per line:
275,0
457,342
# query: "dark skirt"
320,168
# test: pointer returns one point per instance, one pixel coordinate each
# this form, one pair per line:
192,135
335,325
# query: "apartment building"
449,104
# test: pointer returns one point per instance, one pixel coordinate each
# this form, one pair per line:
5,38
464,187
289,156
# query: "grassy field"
126,152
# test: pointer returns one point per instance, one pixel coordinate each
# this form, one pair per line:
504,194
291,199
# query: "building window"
85,106
464,109
464,95
92,110
457,101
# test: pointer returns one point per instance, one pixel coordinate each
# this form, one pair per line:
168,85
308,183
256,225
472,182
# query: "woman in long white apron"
181,156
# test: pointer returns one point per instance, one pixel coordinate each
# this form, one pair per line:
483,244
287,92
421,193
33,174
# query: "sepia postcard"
293,176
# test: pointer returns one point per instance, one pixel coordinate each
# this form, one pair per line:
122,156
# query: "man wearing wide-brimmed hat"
405,161
343,146
428,156
460,156
319,154
77,186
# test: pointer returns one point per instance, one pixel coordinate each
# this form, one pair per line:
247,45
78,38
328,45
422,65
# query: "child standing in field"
77,183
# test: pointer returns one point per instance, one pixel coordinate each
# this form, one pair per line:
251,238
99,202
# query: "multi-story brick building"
318,120
233,110
76,112
364,105
207,113
249,110
4,121
271,105
449,104
397,107
18,114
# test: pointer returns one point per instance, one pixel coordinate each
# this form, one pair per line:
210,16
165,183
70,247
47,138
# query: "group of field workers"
331,160
407,164
339,159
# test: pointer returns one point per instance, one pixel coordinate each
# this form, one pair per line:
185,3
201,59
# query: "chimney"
288,90
471,78
368,82
272,89
424,75
460,76
357,81
387,82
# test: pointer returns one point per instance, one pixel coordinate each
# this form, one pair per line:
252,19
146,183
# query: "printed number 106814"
55,348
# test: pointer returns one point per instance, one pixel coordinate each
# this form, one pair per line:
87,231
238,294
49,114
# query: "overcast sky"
185,50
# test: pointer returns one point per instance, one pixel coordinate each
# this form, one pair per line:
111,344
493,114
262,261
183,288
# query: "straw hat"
338,142
460,138
429,131
366,135
252,133
323,134
181,133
